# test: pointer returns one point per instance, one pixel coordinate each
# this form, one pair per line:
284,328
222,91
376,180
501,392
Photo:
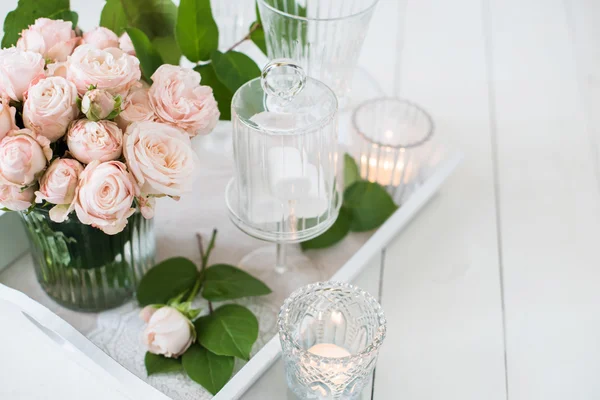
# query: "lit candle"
329,350
387,166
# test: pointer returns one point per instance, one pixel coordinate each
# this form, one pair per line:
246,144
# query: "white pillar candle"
287,177
316,201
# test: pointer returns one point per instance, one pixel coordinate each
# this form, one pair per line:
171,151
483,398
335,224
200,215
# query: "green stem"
196,287
211,246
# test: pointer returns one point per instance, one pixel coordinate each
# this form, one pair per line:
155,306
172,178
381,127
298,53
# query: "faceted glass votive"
330,334
393,144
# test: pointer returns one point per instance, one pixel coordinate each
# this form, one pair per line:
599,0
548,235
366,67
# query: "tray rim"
270,352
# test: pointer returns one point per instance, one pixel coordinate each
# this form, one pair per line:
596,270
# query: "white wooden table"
492,293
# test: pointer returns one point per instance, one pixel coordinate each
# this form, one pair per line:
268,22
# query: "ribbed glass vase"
83,268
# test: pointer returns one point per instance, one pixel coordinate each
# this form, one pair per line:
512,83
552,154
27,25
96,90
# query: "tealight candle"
329,350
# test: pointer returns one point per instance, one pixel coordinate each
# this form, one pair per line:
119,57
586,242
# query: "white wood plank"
549,205
441,288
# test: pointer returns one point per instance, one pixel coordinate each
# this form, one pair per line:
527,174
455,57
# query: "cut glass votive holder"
393,145
330,334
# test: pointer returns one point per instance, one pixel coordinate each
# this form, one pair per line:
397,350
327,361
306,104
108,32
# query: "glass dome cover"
284,100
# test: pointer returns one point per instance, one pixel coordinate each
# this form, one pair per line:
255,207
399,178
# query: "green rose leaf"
370,205
233,69
226,282
149,58
113,17
168,49
257,35
231,330
351,171
167,280
28,11
222,94
208,369
196,30
334,234
156,18
156,364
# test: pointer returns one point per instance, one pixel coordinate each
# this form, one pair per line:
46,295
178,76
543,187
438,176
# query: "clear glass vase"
84,269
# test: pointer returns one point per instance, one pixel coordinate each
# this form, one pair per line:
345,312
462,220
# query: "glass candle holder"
330,333
392,144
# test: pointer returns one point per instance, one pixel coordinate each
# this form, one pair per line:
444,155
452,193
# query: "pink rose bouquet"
82,134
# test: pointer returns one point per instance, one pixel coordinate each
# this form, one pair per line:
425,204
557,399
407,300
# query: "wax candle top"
329,350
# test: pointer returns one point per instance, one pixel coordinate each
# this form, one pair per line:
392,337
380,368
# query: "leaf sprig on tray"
213,340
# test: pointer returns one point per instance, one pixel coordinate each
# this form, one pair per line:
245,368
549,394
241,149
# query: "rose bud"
169,333
50,107
104,196
58,186
89,141
23,157
15,199
98,104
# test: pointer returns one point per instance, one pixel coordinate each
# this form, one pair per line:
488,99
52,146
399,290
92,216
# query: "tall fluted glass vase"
83,268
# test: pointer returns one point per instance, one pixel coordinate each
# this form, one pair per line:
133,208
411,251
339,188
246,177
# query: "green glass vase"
84,269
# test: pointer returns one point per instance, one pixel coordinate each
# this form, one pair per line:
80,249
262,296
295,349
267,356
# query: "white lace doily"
118,333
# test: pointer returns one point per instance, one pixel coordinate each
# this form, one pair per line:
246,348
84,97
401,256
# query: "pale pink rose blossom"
89,141
126,44
101,38
7,118
136,108
146,205
160,157
147,312
110,69
50,107
58,186
178,99
23,157
16,199
168,333
53,39
98,104
18,69
104,196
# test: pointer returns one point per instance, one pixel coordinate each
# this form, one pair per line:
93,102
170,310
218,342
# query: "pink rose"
98,104
178,99
7,118
160,157
18,69
136,107
110,69
126,44
23,157
104,196
169,333
101,38
53,39
15,199
58,186
50,107
89,141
